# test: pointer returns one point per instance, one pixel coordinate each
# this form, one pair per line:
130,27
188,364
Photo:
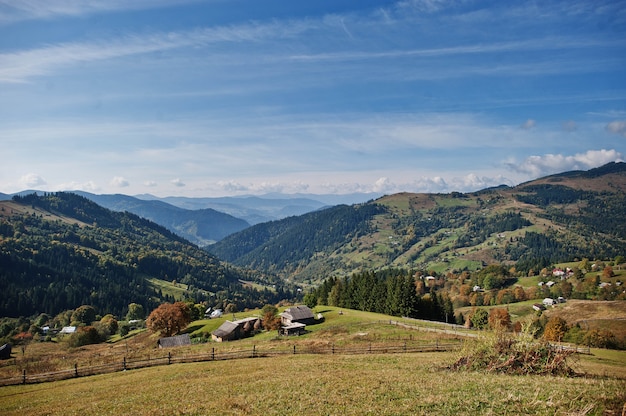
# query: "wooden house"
297,314
293,329
230,331
176,341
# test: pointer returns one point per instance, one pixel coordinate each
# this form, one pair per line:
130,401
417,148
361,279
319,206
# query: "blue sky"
233,97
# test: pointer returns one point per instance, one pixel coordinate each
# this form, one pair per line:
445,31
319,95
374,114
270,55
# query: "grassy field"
401,384
370,384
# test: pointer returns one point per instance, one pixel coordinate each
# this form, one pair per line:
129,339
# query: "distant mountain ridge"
203,221
556,218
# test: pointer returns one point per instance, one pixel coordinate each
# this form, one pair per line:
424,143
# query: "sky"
240,97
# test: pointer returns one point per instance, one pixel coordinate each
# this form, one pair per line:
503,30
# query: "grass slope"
407,384
373,384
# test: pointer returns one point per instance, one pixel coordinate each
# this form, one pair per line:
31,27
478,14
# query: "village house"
295,319
297,314
176,341
230,331
293,329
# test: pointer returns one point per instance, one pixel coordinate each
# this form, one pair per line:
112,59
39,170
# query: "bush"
84,335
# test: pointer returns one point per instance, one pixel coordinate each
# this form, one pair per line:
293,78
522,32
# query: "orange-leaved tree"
499,319
555,329
169,319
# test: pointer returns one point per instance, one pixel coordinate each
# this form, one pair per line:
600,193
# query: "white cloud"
528,124
89,186
150,184
120,182
31,180
617,127
537,166
177,182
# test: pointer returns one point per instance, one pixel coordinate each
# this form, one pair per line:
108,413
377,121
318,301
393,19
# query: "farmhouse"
297,314
230,331
5,352
67,330
293,329
177,341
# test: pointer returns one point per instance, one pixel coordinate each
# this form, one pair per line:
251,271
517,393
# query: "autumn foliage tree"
169,319
555,329
499,319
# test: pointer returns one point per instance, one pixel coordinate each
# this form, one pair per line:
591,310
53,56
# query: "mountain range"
203,221
563,217
61,250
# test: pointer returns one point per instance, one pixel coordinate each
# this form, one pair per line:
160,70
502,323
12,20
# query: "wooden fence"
215,355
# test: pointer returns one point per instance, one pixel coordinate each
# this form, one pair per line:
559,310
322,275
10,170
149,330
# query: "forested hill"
60,251
554,219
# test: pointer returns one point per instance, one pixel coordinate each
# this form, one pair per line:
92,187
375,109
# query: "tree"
84,314
607,273
271,320
85,335
169,319
107,326
310,300
480,318
135,312
555,329
499,319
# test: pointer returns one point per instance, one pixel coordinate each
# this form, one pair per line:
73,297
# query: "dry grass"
398,384
403,384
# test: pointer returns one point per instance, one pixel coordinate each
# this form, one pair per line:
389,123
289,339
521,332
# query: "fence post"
169,358
404,346
294,349
369,350
437,344
75,369
24,377
124,364
213,354
253,351
333,348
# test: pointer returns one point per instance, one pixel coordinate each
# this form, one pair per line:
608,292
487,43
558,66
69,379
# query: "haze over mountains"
204,221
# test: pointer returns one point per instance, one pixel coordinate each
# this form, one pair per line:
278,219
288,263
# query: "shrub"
84,335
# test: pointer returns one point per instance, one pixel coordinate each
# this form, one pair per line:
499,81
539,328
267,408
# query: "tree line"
393,292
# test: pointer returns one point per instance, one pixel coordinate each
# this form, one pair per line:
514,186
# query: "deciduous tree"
169,319
555,329
135,311
271,320
85,314
499,319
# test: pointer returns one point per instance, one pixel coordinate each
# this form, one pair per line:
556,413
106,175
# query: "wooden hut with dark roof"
297,314
176,341
230,331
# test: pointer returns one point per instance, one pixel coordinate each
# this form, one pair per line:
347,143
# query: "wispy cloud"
15,10
19,66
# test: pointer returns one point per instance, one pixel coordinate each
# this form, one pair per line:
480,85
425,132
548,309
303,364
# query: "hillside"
559,218
201,226
60,251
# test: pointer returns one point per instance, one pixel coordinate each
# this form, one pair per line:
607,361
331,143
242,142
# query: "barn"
230,331
297,314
